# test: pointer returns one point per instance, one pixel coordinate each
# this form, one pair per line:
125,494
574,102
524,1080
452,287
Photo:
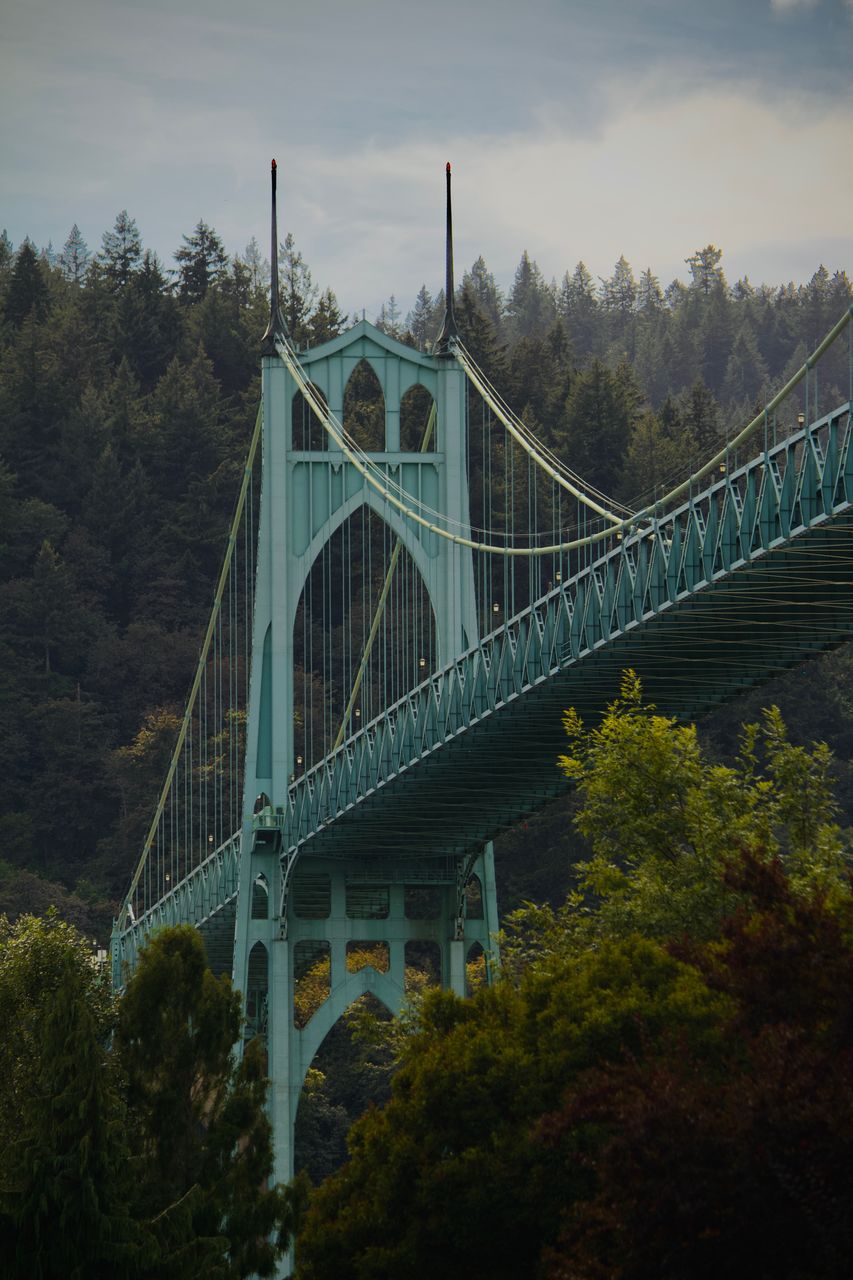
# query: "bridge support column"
285,1078
456,948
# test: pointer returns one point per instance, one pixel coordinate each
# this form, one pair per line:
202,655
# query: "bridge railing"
793,486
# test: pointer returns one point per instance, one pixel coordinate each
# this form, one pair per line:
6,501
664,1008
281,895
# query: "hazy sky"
576,130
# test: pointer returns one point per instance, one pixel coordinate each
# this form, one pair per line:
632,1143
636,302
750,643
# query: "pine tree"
327,320
202,262
579,308
27,293
619,291
6,253
66,1184
649,294
259,267
746,372
705,269
203,1121
700,413
488,295
388,319
593,435
121,251
74,257
418,319
73,1205
531,307
298,290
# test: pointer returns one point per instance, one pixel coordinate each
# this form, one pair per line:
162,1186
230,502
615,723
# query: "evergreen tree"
27,293
298,290
202,1120
388,319
259,267
202,261
674,294
121,251
485,291
75,256
705,269
143,322
6,253
619,291
580,311
746,372
649,294
66,1188
593,435
530,307
327,320
419,318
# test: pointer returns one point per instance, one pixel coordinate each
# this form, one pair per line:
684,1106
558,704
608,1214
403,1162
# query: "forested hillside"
127,394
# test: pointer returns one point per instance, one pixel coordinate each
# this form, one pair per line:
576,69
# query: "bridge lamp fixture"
723,468
422,663
559,577
496,608
801,419
210,839
357,713
299,759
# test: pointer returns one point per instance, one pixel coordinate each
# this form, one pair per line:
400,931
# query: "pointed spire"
448,329
276,329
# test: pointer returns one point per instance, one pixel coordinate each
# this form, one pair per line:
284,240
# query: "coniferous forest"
639,1043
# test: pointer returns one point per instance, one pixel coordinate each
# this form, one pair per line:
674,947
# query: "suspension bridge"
411,595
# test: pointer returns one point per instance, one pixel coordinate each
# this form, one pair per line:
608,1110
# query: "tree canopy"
652,1087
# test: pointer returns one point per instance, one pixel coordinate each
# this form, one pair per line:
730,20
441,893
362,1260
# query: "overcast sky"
576,130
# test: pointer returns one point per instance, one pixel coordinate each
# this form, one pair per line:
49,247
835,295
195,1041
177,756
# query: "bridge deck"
748,579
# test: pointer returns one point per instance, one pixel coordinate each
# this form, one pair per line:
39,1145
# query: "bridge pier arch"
397,899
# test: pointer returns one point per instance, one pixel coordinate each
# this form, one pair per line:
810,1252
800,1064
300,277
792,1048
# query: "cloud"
660,178
572,134
788,6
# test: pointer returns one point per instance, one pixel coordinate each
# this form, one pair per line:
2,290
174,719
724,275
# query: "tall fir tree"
121,251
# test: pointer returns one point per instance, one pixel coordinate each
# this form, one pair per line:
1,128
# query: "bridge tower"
293,907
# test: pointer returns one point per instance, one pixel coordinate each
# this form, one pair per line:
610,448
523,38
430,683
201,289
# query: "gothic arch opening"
476,974
344,1078
308,432
257,988
418,427
364,408
312,979
260,898
422,966
474,898
363,636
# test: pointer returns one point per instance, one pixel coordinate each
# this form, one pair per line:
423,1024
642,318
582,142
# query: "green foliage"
27,291
150,1161
200,1122
434,1178
660,1084
66,1184
202,261
663,879
593,435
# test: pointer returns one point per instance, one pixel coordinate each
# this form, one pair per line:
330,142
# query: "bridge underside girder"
697,652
